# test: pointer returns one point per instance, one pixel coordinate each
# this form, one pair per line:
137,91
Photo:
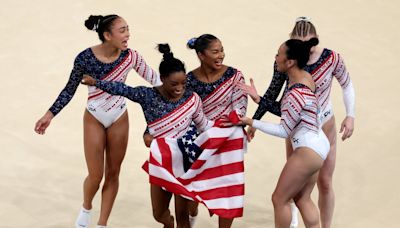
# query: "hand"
43,123
147,138
88,80
250,90
251,131
246,121
223,121
347,127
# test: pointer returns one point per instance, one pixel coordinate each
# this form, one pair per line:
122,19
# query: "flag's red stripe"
215,172
166,154
198,164
231,145
213,143
178,189
222,192
228,213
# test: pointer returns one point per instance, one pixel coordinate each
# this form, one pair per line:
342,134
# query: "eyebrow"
217,49
123,27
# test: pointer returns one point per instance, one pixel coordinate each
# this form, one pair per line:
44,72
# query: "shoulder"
238,75
299,90
333,53
231,69
194,95
190,77
83,57
336,57
133,51
194,72
85,54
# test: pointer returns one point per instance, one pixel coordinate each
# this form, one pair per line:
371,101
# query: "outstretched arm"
144,70
63,98
289,119
136,94
268,102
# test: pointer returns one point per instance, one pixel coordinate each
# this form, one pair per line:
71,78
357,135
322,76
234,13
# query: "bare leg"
193,212
289,148
225,222
301,165
295,220
117,141
160,200
308,209
326,200
182,211
94,144
193,208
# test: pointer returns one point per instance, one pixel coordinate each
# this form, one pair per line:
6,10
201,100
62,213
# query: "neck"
295,75
315,53
109,51
209,73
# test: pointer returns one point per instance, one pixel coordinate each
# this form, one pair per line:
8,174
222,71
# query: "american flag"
215,178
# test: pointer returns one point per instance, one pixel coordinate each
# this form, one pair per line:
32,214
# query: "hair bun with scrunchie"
93,22
191,43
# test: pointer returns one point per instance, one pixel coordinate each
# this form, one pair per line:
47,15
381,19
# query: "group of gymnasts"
304,69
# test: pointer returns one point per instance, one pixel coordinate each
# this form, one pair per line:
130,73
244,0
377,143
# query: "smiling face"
174,84
119,34
213,56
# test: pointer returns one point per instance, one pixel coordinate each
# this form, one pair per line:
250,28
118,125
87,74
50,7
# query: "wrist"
49,115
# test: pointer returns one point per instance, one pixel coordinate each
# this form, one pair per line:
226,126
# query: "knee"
182,220
182,216
324,183
158,214
112,175
95,178
302,200
277,200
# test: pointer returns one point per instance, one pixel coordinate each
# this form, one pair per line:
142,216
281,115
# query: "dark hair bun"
192,43
92,23
166,51
312,42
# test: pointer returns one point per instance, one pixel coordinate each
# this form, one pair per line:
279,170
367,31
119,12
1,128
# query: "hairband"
96,26
303,18
192,41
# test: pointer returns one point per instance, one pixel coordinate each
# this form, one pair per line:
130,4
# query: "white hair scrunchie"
303,18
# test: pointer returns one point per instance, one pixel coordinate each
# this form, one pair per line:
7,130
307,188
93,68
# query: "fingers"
226,124
87,79
245,88
40,131
252,86
250,133
347,134
38,128
249,138
350,133
342,127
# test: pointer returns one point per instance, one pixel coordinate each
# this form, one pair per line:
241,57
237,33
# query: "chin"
217,67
